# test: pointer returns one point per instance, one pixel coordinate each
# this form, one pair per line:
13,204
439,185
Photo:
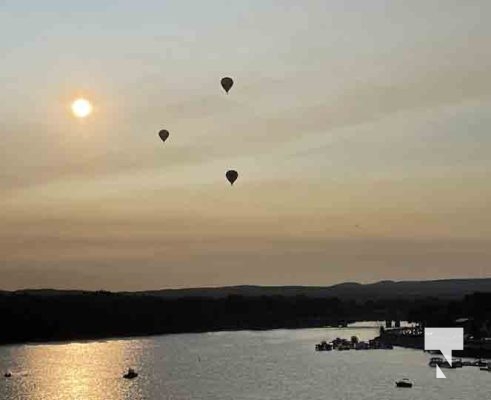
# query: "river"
278,364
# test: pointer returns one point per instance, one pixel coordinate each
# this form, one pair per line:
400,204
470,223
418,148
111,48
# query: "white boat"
404,383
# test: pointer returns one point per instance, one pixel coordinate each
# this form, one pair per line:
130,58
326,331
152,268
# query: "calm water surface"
277,364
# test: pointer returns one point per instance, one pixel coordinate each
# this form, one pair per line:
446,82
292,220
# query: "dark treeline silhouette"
474,311
39,316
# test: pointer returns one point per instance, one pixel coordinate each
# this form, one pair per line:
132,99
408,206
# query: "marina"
352,344
403,337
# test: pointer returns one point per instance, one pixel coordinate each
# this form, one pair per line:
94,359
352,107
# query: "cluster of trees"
68,316
475,309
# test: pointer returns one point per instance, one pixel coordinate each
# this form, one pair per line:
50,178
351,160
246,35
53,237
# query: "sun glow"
81,108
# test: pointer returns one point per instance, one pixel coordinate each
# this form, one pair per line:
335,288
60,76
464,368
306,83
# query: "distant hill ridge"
447,288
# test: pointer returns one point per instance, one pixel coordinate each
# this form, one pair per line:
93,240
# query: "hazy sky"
360,130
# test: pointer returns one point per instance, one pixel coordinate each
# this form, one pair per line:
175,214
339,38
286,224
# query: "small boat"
486,368
131,374
479,363
323,346
404,383
362,346
7,374
442,363
434,361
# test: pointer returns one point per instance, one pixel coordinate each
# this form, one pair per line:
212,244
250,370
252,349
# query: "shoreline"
405,342
62,341
394,337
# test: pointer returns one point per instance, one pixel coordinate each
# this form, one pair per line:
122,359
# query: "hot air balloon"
232,176
227,83
164,134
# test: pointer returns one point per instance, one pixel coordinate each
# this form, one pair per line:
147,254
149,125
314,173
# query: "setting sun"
81,108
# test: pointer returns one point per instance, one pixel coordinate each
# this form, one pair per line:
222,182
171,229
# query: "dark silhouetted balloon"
227,83
164,135
232,176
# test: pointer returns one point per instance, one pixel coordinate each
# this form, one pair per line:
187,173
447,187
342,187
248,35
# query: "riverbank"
413,338
41,317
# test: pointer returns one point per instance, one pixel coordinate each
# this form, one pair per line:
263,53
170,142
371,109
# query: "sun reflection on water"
82,371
